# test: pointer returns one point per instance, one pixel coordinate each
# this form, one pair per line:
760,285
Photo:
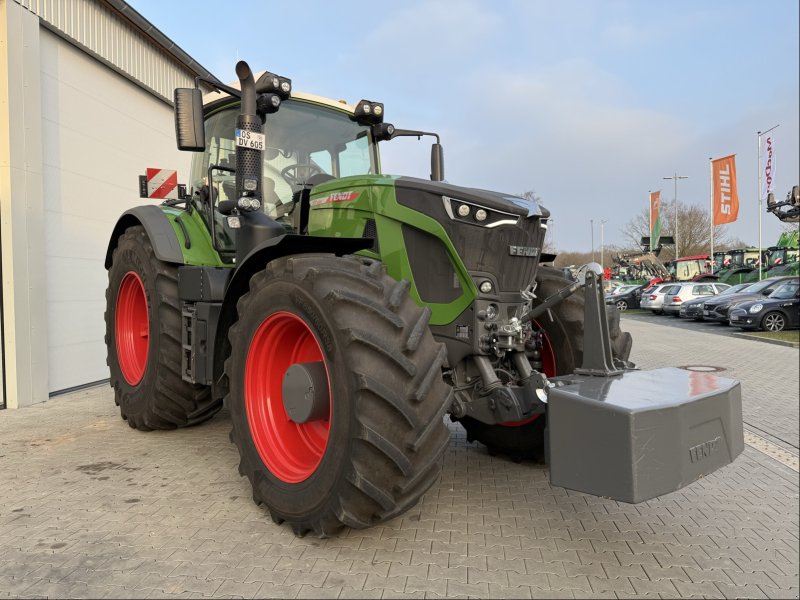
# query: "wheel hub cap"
132,328
290,434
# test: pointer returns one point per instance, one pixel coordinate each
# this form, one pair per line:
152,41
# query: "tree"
694,230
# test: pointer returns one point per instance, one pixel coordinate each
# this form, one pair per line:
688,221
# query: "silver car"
653,297
674,299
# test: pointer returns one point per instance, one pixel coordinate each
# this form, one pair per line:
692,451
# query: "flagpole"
650,222
711,202
761,200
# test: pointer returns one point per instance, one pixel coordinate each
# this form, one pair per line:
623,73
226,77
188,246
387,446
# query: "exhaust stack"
248,160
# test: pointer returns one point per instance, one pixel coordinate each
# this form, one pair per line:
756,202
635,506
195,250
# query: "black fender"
158,228
255,261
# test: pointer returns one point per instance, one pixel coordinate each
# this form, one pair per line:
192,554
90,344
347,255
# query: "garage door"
100,131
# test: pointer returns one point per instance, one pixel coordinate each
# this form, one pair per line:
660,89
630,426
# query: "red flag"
725,197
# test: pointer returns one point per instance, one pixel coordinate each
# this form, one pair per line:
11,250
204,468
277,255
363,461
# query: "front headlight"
756,308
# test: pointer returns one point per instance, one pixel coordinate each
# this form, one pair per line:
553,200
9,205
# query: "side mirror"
437,162
189,129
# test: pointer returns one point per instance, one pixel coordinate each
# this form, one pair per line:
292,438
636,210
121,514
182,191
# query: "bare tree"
694,233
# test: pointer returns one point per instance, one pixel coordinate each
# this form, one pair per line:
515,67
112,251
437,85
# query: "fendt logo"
704,450
523,251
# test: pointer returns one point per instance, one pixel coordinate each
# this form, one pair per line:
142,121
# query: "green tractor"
340,314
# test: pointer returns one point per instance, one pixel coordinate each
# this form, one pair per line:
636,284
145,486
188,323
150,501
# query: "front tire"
377,445
143,339
622,305
562,354
773,321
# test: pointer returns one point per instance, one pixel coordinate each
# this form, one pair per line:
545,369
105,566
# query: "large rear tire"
562,353
143,339
375,444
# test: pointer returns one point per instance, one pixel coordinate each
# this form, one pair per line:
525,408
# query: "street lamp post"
591,222
675,178
602,262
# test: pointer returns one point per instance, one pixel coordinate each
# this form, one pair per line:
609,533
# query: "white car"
653,297
690,291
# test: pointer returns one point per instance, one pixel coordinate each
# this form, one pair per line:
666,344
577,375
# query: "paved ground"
91,508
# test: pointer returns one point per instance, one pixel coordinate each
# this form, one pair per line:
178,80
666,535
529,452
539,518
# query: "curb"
757,338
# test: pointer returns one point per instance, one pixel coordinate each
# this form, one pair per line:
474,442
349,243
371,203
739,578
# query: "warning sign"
161,183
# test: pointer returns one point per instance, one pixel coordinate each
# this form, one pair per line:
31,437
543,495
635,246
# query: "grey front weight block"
642,434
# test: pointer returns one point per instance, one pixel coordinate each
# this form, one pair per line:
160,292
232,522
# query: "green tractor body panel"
200,251
366,206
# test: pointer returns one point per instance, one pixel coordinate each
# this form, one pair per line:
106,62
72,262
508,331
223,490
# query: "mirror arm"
220,87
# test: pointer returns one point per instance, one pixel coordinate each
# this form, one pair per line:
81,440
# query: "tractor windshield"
302,140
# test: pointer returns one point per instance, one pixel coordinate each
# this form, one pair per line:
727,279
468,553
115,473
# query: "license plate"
250,139
734,318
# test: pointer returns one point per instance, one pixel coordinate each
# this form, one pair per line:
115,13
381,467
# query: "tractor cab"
308,141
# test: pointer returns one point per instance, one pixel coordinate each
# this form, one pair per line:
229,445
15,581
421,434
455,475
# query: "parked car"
653,297
716,309
690,291
693,309
778,311
625,297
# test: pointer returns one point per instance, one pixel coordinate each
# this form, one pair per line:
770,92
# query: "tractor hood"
507,203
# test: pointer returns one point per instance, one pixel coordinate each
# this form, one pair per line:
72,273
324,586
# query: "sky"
588,103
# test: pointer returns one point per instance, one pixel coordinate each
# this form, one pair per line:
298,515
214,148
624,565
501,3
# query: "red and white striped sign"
162,183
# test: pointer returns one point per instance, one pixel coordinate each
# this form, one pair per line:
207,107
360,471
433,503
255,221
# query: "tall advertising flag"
768,168
724,198
655,219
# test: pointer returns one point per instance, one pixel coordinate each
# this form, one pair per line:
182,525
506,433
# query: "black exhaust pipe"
248,160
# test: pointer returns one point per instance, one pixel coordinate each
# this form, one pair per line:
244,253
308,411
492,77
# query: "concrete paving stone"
537,580
601,585
416,547
350,593
392,584
741,591
425,585
427,558
561,556
665,587
272,576
457,573
237,588
591,558
552,594
697,575
749,578
700,590
504,564
579,583
448,548
477,590
483,576
370,568
477,562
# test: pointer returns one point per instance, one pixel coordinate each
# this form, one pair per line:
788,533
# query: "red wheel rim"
132,332
291,451
549,369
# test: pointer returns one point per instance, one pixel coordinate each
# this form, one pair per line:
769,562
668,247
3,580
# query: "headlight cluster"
269,83
368,112
468,212
756,308
247,203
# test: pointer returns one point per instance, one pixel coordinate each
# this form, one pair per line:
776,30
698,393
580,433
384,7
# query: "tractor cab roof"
214,97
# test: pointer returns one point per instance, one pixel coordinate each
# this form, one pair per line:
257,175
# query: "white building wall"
84,110
99,132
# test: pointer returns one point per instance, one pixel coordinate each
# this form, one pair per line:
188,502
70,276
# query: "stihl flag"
162,183
768,168
655,219
725,198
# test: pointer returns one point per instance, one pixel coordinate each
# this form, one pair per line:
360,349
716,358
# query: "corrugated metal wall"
100,30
